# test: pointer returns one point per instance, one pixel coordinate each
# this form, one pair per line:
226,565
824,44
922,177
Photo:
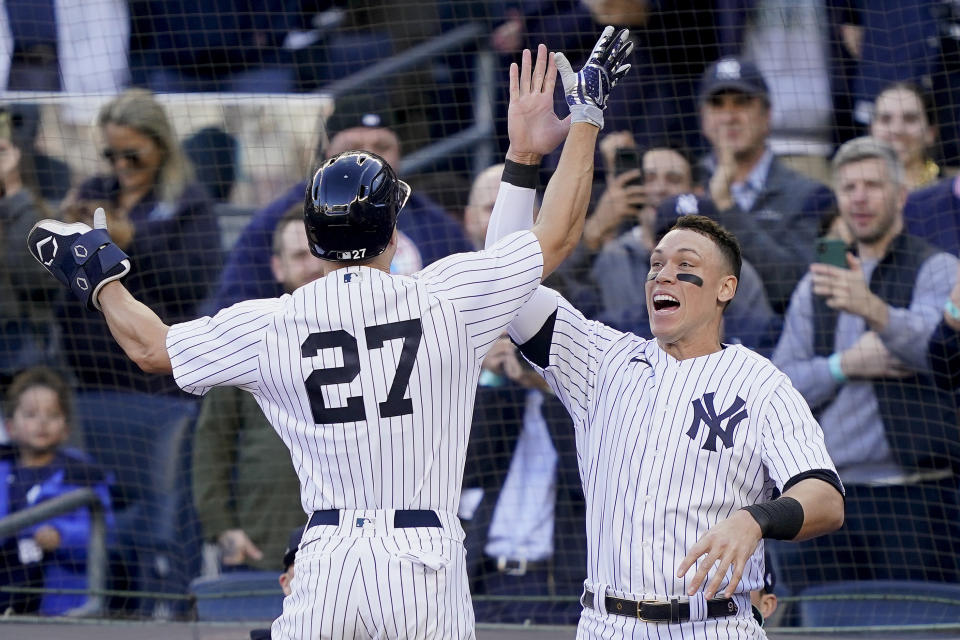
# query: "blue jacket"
247,274
66,567
933,212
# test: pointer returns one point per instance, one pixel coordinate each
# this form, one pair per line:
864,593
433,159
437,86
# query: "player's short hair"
725,241
293,215
39,377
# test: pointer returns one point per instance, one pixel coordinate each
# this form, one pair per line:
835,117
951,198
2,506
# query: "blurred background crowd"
194,125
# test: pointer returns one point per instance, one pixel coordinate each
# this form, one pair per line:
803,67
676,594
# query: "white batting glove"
587,91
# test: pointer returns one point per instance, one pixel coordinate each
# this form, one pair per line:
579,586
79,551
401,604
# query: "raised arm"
88,262
535,130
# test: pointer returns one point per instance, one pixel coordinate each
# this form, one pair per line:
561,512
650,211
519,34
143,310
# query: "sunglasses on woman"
132,156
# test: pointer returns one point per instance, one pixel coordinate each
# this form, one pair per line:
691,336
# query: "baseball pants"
365,577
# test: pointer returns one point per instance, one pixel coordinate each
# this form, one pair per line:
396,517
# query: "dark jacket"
777,234
920,419
64,568
26,292
933,213
175,257
247,274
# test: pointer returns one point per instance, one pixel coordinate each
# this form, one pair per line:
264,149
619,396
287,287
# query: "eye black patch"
689,277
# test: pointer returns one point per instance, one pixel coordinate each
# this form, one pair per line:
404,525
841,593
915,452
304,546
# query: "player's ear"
768,604
728,288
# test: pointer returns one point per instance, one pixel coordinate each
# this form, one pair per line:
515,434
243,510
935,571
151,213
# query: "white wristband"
587,113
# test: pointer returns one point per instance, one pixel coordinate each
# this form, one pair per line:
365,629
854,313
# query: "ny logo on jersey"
704,411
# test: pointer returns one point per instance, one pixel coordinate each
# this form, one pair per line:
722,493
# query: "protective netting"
195,124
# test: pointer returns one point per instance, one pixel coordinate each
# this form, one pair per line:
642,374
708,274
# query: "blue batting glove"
588,90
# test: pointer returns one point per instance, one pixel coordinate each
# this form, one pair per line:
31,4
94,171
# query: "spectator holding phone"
620,270
625,196
850,346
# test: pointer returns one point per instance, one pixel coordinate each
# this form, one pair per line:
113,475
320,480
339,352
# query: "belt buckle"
508,569
640,604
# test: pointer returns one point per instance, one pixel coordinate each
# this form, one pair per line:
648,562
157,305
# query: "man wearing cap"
426,232
772,210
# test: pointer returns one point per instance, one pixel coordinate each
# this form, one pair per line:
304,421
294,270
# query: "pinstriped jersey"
369,378
667,448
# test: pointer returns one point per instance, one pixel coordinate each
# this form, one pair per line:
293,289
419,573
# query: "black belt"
511,567
402,518
673,611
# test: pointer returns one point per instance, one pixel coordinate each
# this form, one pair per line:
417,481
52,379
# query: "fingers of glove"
99,218
620,55
613,46
617,75
567,76
601,42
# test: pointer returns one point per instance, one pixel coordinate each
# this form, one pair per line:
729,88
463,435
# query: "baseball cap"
358,111
290,553
682,205
733,74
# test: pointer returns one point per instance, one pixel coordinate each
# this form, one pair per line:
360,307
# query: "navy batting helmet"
351,206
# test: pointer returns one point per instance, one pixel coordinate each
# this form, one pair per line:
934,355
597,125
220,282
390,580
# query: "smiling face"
899,119
38,425
870,202
135,158
682,312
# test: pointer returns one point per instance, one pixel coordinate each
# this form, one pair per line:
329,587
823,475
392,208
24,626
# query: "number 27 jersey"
369,378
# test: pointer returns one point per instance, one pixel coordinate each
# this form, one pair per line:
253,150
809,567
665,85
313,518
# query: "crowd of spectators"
735,111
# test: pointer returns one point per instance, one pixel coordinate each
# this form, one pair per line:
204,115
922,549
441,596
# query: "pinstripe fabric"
656,475
393,362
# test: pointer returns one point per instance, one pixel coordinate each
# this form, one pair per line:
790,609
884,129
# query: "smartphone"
626,159
832,251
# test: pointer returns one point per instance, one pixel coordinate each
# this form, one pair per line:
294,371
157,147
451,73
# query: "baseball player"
369,378
682,442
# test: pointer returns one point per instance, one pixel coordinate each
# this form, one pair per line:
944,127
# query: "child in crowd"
34,467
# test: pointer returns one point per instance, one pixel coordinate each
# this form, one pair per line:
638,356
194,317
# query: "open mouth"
664,302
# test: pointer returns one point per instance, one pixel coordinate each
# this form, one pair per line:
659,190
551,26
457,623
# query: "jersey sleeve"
488,287
566,348
221,350
793,444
